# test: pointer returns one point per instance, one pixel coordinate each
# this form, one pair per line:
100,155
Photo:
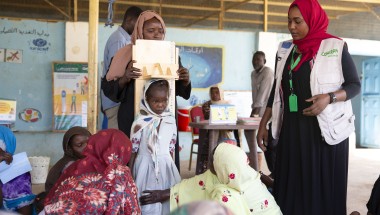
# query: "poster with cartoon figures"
70,95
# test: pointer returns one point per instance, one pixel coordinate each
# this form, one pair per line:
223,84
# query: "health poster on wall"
70,95
7,111
204,63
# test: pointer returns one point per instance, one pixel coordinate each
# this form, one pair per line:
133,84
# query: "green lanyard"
293,106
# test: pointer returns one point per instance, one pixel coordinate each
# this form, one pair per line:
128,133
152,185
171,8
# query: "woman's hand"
154,196
132,72
262,138
206,110
184,75
319,104
5,156
262,134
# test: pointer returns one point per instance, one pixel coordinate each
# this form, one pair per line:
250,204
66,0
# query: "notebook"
19,166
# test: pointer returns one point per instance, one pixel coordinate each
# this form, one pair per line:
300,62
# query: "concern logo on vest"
330,53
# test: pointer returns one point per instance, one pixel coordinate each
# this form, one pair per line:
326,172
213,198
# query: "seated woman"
74,141
231,182
224,135
216,98
16,195
99,183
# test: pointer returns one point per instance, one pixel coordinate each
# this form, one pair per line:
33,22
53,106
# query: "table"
213,134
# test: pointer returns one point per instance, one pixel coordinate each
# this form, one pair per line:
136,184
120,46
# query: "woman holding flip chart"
119,84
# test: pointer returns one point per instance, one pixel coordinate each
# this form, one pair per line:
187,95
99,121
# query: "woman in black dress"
310,174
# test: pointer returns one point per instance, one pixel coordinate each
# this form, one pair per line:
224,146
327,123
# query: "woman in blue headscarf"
16,195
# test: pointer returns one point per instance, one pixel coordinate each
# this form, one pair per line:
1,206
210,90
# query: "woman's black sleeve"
180,89
351,83
112,89
271,96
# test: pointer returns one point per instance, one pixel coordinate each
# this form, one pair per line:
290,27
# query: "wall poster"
205,64
7,111
70,95
242,99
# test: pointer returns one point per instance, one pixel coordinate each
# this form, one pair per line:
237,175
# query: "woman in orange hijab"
119,83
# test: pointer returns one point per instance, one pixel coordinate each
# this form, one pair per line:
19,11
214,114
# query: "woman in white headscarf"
215,98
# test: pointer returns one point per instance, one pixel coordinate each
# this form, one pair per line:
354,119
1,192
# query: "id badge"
293,106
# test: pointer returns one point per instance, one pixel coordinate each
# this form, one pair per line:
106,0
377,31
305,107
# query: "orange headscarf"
124,55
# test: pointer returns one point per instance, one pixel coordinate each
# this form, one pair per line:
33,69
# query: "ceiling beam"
57,8
75,10
255,22
324,6
363,1
173,6
25,5
221,15
372,11
265,16
35,19
106,11
261,13
187,17
69,8
214,13
186,9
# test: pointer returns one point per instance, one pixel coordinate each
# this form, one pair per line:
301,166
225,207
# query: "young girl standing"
153,135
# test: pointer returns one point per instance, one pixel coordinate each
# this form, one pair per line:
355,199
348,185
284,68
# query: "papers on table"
19,166
223,114
249,120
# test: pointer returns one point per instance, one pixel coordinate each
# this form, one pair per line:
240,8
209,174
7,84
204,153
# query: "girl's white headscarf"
147,119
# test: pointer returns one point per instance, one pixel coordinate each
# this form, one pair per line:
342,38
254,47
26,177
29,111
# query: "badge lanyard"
293,106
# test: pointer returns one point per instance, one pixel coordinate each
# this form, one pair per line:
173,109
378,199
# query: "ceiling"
265,15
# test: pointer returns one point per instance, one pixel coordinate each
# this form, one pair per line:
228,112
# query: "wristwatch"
332,98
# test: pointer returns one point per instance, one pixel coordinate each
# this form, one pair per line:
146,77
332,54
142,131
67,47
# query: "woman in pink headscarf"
311,115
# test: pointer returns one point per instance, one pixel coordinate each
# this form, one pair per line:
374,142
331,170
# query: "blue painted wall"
30,81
